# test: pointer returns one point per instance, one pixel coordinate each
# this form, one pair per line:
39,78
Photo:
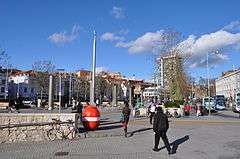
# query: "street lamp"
60,88
6,84
18,89
209,108
70,88
92,89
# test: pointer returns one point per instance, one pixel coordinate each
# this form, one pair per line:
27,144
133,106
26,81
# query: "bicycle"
58,132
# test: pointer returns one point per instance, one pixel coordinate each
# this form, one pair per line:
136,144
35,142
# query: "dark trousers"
151,117
164,138
125,123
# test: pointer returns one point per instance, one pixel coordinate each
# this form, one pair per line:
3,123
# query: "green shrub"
179,102
172,104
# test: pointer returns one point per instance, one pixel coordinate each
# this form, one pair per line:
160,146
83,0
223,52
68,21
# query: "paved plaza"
204,138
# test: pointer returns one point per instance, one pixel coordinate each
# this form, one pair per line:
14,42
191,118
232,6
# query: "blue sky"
61,31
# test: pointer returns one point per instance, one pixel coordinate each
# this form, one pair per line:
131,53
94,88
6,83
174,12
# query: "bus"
206,102
236,106
220,102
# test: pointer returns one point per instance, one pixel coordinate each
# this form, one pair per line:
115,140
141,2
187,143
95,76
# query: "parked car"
28,102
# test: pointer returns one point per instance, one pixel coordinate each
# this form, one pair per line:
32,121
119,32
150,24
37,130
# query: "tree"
81,88
175,74
41,70
5,63
103,88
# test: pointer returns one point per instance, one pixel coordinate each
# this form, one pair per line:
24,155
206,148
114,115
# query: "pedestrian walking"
126,113
18,103
73,103
79,108
160,127
152,112
97,102
199,110
11,106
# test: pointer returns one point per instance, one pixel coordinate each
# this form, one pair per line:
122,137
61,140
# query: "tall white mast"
92,90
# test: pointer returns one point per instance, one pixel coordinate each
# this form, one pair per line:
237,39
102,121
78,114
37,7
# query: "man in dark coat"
160,127
126,113
79,108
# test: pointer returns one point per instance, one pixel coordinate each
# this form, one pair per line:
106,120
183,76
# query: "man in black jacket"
160,127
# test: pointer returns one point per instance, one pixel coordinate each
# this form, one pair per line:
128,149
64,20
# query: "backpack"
126,111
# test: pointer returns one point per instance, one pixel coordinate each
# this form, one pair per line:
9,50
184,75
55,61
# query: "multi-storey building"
228,84
165,69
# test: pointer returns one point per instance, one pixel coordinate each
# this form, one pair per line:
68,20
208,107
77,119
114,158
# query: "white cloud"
208,43
195,48
101,69
111,37
117,12
232,27
65,37
124,44
150,42
201,61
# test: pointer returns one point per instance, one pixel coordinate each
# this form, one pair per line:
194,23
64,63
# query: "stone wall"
31,127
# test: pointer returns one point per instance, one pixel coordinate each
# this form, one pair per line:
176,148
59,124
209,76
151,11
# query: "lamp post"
6,84
92,89
70,88
18,89
208,82
209,108
60,88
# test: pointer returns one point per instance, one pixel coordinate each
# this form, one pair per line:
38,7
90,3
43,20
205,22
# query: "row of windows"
25,90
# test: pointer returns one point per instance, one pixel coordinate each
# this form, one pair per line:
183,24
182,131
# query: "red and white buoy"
91,118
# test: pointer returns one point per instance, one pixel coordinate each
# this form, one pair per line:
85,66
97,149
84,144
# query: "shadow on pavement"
226,115
176,143
139,130
109,122
109,127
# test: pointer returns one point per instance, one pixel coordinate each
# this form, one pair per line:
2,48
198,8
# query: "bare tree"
5,64
176,75
42,69
81,88
103,88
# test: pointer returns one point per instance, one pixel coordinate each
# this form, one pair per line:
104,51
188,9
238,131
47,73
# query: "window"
32,90
2,89
25,90
3,81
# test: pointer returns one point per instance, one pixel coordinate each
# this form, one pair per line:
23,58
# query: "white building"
165,69
24,84
151,92
228,84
